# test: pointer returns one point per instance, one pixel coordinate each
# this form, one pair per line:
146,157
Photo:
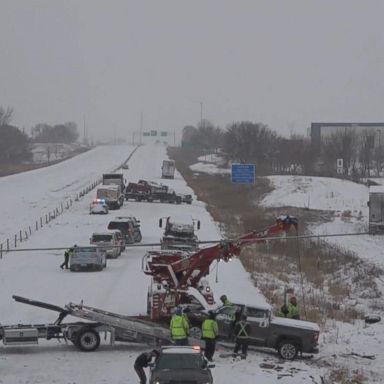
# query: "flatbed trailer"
85,335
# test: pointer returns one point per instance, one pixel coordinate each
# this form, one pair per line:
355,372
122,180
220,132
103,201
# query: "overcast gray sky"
284,63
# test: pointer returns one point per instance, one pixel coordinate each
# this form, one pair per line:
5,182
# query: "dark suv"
129,227
287,336
181,365
136,226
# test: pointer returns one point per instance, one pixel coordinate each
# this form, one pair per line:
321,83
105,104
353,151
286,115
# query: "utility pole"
84,132
201,114
141,127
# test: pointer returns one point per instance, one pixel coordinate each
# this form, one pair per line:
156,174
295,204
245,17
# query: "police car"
178,364
98,206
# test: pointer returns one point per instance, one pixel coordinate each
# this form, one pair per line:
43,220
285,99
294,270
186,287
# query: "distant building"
372,132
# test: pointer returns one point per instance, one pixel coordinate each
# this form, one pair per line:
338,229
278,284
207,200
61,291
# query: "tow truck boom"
179,270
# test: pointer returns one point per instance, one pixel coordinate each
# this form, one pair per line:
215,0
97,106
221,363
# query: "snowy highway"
121,288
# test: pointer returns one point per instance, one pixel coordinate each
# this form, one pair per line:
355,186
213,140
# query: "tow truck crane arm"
182,270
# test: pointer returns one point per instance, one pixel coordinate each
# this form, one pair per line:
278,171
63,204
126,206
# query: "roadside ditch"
329,282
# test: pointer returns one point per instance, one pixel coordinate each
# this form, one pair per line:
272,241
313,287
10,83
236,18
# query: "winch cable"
265,239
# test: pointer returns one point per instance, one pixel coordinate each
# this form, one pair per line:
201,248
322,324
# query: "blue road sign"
243,174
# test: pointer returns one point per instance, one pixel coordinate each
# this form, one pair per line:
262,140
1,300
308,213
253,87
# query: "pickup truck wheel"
288,349
195,332
87,340
138,238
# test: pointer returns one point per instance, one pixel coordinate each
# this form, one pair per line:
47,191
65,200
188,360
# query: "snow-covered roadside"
122,288
348,202
211,164
30,195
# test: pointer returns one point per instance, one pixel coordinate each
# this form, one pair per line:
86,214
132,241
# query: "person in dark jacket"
142,362
67,254
242,333
210,331
224,300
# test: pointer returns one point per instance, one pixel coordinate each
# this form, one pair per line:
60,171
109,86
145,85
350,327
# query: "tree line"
248,142
15,144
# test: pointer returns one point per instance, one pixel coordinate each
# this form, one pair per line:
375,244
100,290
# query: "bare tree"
5,115
341,145
378,159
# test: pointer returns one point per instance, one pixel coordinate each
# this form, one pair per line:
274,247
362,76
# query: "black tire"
288,349
138,238
87,340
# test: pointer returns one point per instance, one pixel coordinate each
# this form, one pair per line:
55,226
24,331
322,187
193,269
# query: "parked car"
181,365
87,258
108,241
287,336
98,206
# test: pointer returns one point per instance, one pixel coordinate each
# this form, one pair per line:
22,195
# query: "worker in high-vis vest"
242,333
224,300
179,328
210,331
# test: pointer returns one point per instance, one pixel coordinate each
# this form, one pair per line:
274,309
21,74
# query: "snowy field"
121,288
348,203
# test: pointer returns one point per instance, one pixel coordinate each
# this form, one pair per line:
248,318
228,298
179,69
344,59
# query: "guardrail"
23,234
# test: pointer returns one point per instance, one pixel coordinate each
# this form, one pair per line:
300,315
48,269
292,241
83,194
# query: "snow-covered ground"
211,164
122,287
347,201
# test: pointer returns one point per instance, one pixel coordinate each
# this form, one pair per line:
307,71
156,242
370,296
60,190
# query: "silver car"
87,258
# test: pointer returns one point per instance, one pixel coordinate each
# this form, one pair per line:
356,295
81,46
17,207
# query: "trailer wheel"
87,340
